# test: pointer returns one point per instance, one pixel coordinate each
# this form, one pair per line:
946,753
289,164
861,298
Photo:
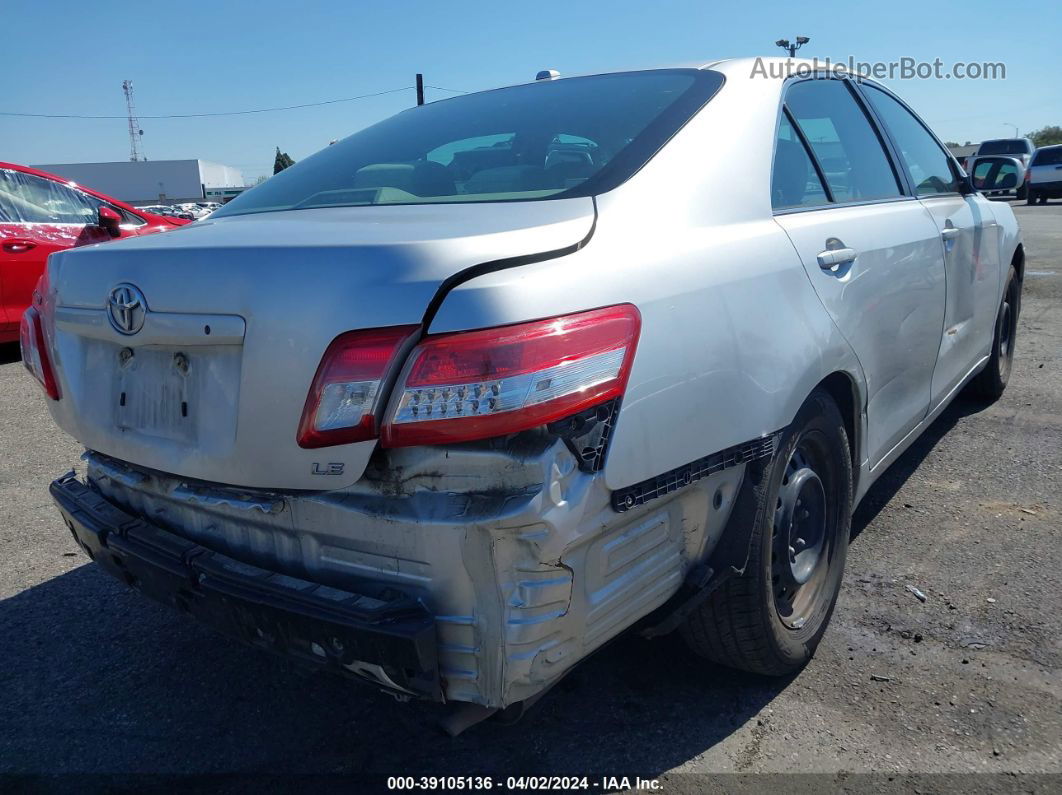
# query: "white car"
1043,180
453,402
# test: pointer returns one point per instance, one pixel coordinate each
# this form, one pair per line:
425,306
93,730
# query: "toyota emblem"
126,308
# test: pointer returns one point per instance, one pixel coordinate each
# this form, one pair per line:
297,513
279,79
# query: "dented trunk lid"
239,313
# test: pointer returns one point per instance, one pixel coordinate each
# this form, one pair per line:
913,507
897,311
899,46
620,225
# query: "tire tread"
730,627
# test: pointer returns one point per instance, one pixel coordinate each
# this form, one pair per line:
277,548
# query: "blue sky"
221,55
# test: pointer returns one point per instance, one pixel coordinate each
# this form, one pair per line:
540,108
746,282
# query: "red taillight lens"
35,352
478,384
344,399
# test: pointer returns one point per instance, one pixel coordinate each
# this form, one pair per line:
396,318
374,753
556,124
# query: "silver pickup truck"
453,402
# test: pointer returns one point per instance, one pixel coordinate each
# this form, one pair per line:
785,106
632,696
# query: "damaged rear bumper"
516,554
376,633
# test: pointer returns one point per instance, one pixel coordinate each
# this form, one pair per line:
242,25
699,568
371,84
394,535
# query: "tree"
261,178
1046,136
951,144
282,161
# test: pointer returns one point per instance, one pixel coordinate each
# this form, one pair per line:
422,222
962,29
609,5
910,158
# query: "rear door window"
927,162
794,180
1048,157
843,140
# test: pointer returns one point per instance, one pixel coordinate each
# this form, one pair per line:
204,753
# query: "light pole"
792,48
1015,126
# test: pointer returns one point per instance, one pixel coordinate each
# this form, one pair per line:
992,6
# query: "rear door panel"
970,239
888,303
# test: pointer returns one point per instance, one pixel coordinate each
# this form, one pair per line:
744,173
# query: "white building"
152,181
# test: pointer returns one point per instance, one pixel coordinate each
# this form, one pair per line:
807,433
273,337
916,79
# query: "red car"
41,213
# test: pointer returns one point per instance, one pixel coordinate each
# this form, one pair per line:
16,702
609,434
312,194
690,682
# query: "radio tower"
135,133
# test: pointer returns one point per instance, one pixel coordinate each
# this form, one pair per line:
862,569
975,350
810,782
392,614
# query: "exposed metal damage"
487,537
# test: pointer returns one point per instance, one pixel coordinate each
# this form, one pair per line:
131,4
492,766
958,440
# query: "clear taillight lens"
344,400
492,382
35,352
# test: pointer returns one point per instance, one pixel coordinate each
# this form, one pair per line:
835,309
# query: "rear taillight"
35,352
479,384
345,398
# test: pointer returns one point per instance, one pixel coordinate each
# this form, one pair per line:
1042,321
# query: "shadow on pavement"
95,678
890,482
9,352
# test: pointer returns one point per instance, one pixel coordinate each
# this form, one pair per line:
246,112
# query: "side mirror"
966,185
110,221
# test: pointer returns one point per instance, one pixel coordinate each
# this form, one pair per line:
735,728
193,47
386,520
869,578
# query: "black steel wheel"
992,380
770,619
801,543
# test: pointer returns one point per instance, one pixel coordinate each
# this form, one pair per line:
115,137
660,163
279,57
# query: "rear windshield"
1048,157
1004,147
548,139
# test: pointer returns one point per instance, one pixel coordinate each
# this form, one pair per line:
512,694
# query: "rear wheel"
1021,192
1031,197
991,381
770,619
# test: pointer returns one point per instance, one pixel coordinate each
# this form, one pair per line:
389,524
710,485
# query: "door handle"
18,245
832,258
950,233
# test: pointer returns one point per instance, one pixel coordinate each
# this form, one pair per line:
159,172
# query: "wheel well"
844,393
1019,262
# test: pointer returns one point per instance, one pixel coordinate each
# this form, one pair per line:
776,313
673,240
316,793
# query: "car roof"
731,65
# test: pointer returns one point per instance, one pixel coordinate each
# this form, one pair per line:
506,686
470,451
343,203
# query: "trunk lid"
239,312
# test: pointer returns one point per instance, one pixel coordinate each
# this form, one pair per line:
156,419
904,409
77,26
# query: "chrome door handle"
950,233
832,258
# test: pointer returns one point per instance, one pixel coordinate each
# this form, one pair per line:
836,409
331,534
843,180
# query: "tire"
1020,193
749,622
1030,197
990,382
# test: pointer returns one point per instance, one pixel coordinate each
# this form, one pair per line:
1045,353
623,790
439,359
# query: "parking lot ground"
96,679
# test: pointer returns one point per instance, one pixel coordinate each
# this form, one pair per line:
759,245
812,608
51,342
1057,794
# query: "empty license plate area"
179,394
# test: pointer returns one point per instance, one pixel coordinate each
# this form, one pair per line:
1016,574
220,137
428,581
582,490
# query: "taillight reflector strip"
343,403
493,382
35,352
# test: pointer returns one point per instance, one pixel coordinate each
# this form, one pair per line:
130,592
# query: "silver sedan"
453,402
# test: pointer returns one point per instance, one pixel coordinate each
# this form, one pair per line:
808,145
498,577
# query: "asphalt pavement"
95,679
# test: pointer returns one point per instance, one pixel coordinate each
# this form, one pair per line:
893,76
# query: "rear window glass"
1048,157
549,139
1004,147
